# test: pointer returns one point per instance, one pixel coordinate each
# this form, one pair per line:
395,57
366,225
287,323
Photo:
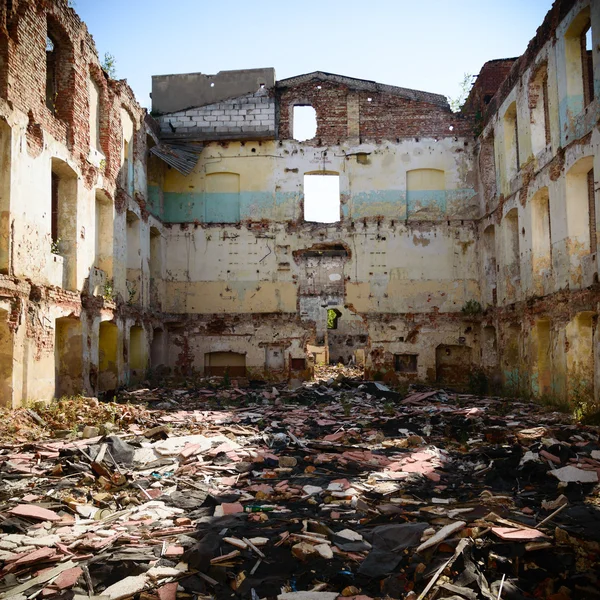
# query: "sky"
425,45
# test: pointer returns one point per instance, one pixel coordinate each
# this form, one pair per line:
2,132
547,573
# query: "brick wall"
238,117
489,80
382,115
23,33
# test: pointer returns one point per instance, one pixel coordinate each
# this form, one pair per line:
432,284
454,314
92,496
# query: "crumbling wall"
546,191
63,135
404,243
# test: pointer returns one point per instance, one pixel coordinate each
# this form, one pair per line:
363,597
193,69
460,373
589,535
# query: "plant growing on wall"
465,86
109,65
471,307
109,293
132,291
55,246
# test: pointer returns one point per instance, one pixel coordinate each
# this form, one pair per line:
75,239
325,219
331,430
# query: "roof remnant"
182,157
366,85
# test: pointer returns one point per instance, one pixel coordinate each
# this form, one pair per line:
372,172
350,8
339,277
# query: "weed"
226,379
131,291
109,292
109,65
55,246
471,307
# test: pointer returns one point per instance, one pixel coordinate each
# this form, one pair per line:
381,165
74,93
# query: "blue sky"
426,45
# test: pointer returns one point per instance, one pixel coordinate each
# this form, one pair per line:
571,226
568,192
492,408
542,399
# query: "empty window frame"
539,111
405,363
587,64
581,205
511,243
94,116
322,202
104,233
59,70
298,364
579,62
511,141
333,315
127,151
304,123
51,72
541,244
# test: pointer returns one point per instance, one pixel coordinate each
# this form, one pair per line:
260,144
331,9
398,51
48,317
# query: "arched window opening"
94,116
51,72
581,205
579,62
128,131
511,238
104,233
63,218
489,264
59,70
134,258
541,234
511,141
539,110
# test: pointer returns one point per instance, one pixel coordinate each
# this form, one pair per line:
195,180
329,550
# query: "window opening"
540,234
405,363
104,233
592,211
581,207
304,123
546,108
94,93
51,79
333,315
298,364
322,198
511,141
512,243
54,218
587,68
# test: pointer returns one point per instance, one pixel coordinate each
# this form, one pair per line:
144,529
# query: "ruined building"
455,243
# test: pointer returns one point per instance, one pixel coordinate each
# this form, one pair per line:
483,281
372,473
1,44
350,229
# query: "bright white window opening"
322,198
305,123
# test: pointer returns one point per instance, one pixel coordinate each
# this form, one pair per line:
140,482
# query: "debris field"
338,488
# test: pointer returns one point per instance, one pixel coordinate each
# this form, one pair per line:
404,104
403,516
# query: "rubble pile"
339,488
65,416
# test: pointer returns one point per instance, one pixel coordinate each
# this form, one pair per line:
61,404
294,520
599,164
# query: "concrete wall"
172,93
